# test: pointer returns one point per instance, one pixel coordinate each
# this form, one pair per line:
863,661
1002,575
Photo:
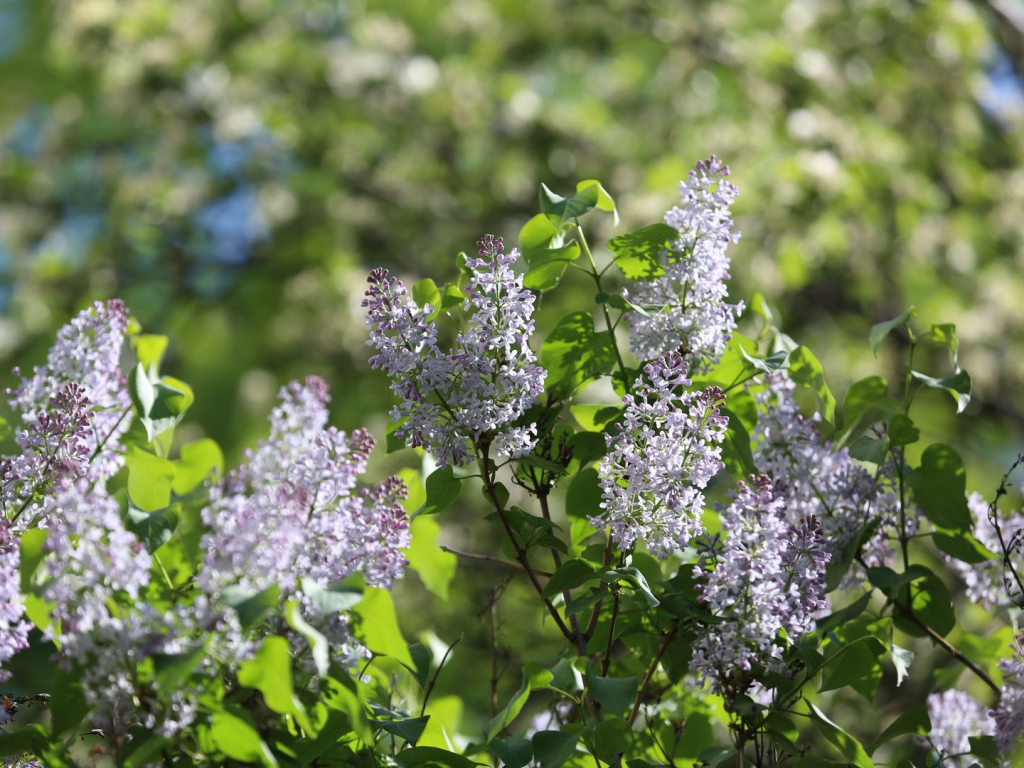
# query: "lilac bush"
719,572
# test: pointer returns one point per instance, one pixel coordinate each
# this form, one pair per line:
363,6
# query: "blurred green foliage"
232,170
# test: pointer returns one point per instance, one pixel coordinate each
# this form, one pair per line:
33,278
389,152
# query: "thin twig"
993,516
606,662
490,559
433,680
666,638
492,494
952,650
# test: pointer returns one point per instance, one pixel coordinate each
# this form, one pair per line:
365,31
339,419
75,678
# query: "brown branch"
437,672
952,650
993,516
609,549
490,559
492,494
666,638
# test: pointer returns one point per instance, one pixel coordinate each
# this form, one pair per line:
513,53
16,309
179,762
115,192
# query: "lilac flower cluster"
986,582
657,465
293,512
72,413
13,629
816,479
766,577
87,354
449,401
955,717
1008,715
696,320
94,565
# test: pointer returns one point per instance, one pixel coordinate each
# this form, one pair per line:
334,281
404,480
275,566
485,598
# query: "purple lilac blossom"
87,353
955,717
817,480
986,582
449,401
1008,716
696,320
93,563
294,512
765,577
657,465
13,628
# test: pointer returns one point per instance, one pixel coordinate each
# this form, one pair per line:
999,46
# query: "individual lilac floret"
665,454
955,717
696,320
450,401
764,578
87,353
1008,716
294,510
817,480
987,584
13,628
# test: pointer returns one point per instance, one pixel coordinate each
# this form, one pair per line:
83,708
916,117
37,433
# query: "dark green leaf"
32,549
963,546
940,488
153,529
443,489
410,730
251,607
881,330
914,720
638,254
572,574
613,693
843,743
574,353
417,756
902,431
547,267
376,626
958,385
553,748
805,369
513,752
736,453
844,615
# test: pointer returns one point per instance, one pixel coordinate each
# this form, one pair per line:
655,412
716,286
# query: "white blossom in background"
696,321
652,478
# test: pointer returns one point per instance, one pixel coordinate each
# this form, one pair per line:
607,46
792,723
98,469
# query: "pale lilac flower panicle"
987,584
955,718
13,628
92,559
696,320
55,445
764,578
815,479
665,454
1008,716
296,511
484,384
87,353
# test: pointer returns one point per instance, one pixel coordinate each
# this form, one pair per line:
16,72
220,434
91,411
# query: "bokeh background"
233,169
